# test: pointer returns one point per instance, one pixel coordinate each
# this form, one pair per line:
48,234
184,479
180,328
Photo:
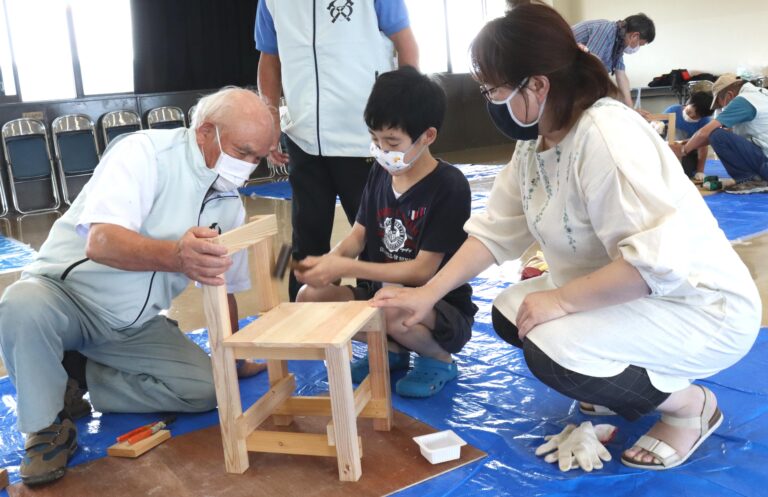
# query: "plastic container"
441,446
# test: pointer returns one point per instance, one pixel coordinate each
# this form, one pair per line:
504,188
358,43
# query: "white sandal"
711,417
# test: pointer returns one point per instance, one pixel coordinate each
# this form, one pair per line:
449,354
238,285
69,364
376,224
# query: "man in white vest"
131,242
325,57
739,134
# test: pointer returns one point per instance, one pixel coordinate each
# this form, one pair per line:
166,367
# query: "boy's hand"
418,301
321,271
537,308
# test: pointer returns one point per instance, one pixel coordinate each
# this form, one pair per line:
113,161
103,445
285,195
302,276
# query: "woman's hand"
418,301
537,308
321,271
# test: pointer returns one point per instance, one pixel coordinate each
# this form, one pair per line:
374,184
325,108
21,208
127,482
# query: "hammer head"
283,262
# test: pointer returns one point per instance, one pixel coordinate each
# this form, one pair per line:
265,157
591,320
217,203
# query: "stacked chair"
77,152
166,118
115,123
31,173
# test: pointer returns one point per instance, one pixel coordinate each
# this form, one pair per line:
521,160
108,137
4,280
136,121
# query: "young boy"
410,224
691,117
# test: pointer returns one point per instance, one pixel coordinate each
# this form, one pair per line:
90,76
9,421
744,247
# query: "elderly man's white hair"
214,107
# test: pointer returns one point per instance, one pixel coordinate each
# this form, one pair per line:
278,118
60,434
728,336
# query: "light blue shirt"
392,15
738,111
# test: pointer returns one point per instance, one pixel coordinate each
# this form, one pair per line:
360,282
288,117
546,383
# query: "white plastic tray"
441,446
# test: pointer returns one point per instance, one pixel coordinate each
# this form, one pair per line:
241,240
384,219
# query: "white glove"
582,449
554,441
699,177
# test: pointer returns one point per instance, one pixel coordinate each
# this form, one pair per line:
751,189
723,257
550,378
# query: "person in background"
738,134
611,40
689,119
325,57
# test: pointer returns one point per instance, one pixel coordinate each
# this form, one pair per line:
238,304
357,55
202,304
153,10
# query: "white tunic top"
612,188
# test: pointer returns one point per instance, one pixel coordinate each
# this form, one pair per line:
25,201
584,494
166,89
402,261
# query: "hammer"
283,262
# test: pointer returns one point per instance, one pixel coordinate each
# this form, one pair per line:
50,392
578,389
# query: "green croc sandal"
427,377
47,453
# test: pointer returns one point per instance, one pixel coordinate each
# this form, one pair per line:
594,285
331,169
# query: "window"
41,48
444,30
7,83
48,65
104,45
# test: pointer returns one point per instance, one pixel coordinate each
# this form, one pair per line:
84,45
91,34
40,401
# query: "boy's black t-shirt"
429,216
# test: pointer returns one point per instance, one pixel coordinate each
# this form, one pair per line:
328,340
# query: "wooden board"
308,324
193,465
124,449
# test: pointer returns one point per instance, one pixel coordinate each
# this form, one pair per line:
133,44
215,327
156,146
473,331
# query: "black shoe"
75,406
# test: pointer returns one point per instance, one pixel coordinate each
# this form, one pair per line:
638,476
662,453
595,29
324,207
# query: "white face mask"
233,173
688,118
394,161
631,50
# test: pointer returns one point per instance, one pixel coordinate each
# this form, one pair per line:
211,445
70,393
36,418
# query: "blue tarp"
14,255
497,406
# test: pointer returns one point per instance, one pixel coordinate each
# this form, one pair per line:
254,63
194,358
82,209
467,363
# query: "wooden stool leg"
379,373
343,410
278,370
225,379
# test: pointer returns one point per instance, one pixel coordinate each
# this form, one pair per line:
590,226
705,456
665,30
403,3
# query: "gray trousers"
150,368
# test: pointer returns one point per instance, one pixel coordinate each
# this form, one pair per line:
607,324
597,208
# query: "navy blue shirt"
688,129
429,216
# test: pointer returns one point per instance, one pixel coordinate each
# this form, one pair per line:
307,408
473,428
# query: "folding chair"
115,123
77,152
31,174
190,114
3,199
166,118
295,331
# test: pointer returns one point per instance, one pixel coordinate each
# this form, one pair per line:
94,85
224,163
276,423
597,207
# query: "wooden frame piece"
671,123
248,234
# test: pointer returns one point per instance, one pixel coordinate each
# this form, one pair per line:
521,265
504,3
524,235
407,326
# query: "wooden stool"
294,331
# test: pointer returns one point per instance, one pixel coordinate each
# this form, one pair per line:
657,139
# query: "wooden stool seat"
307,324
295,331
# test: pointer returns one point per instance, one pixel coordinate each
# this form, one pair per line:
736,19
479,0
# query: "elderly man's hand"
199,259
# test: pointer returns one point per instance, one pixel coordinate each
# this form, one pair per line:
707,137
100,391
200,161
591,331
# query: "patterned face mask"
394,161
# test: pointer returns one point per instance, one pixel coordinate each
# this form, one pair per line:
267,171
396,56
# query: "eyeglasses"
488,91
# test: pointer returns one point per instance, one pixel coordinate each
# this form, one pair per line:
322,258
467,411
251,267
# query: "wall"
701,35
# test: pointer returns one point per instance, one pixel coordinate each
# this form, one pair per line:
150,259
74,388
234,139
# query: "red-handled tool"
145,431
